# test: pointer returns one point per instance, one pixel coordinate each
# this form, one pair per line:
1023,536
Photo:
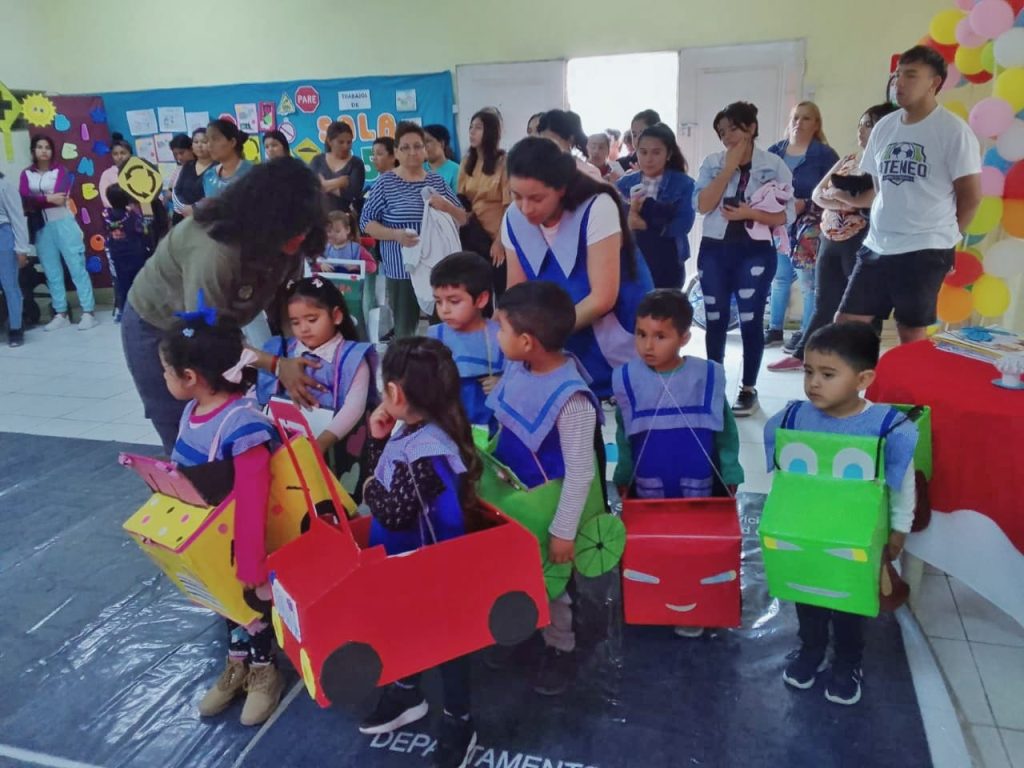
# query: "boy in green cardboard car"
839,364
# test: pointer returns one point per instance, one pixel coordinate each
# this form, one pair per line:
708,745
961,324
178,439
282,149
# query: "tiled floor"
75,384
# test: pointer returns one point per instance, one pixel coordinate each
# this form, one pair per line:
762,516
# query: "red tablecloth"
978,431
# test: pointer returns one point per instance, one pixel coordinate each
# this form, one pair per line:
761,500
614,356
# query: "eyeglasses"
411,148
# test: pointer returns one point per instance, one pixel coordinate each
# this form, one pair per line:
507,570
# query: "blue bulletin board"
302,109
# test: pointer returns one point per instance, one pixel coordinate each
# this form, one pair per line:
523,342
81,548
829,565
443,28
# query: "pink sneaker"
787,363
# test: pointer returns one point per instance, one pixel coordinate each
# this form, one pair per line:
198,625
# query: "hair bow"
234,373
202,312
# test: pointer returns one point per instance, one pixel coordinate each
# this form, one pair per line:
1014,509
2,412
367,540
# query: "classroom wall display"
372,106
78,127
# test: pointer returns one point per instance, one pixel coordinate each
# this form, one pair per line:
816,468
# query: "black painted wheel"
513,618
349,677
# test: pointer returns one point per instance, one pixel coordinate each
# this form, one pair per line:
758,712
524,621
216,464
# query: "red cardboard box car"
681,566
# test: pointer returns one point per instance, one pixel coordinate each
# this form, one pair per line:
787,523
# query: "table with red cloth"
977,528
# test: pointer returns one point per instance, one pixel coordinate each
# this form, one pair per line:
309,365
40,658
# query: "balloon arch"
983,43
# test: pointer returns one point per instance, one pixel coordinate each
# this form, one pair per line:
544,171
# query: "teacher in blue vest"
570,229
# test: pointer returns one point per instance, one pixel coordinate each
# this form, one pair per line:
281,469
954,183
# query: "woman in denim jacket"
731,263
809,157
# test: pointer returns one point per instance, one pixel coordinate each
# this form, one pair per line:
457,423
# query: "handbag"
804,251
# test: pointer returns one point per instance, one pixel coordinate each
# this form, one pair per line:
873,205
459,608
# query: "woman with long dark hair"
233,255
342,174
44,187
564,127
188,188
483,185
227,149
733,264
660,200
569,228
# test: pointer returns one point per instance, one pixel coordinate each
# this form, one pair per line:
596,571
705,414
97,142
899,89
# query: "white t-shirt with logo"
914,168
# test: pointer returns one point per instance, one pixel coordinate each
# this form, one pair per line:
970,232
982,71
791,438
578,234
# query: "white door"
770,75
519,90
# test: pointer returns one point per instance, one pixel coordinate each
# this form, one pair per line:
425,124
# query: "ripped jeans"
744,269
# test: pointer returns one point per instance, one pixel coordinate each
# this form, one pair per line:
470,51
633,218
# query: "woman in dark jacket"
809,157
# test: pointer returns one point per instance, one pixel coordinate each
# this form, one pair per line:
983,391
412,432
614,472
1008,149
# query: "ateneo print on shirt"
903,161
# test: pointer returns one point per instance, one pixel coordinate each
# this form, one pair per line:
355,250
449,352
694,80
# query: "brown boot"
230,683
264,687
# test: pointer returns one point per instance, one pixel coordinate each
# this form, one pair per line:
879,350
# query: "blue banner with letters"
301,109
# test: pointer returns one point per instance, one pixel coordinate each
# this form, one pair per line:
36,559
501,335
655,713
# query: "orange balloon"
1013,218
954,305
97,243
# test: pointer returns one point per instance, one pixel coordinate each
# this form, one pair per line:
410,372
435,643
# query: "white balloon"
1010,143
1009,48
1005,258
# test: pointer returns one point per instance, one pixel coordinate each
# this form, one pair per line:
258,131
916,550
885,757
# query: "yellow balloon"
1010,87
988,57
989,214
968,60
943,26
957,107
991,296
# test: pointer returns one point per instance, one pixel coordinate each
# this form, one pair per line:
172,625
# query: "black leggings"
455,677
258,648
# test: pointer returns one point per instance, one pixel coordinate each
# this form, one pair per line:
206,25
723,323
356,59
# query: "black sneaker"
746,402
398,707
556,671
793,342
455,743
772,338
843,685
804,665
15,338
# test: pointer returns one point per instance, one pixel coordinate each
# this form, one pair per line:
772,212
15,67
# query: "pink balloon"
990,117
966,36
993,182
953,78
965,5
990,18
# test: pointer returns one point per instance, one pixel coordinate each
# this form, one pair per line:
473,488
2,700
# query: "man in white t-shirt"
926,166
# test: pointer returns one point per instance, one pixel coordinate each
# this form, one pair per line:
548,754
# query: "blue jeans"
64,238
785,274
9,278
745,270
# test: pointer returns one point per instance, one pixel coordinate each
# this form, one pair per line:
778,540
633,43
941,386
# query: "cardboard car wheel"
513,618
599,545
556,577
349,677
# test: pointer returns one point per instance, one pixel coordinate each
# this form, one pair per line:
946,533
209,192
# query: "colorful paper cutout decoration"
100,148
98,115
681,566
86,218
69,151
247,116
826,521
307,99
251,149
89,191
38,110
10,109
188,532
61,123
600,538
267,118
140,180
285,105
352,619
84,132
288,129
306,150
96,242
72,206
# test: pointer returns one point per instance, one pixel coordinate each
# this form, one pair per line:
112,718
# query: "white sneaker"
58,322
87,322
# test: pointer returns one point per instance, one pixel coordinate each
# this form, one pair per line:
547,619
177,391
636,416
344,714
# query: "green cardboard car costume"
826,520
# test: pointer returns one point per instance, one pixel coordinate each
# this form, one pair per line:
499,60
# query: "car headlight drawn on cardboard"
681,566
600,538
187,526
826,521
353,619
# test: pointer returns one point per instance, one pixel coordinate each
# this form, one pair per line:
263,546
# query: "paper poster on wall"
163,147
268,121
306,150
195,120
248,117
285,106
141,122
417,120
352,100
405,101
171,119
288,129
146,149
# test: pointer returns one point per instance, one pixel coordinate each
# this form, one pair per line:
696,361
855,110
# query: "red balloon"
966,269
1017,5
948,52
1014,187
980,77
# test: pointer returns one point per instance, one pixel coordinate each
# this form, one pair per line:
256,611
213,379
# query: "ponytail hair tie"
202,312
